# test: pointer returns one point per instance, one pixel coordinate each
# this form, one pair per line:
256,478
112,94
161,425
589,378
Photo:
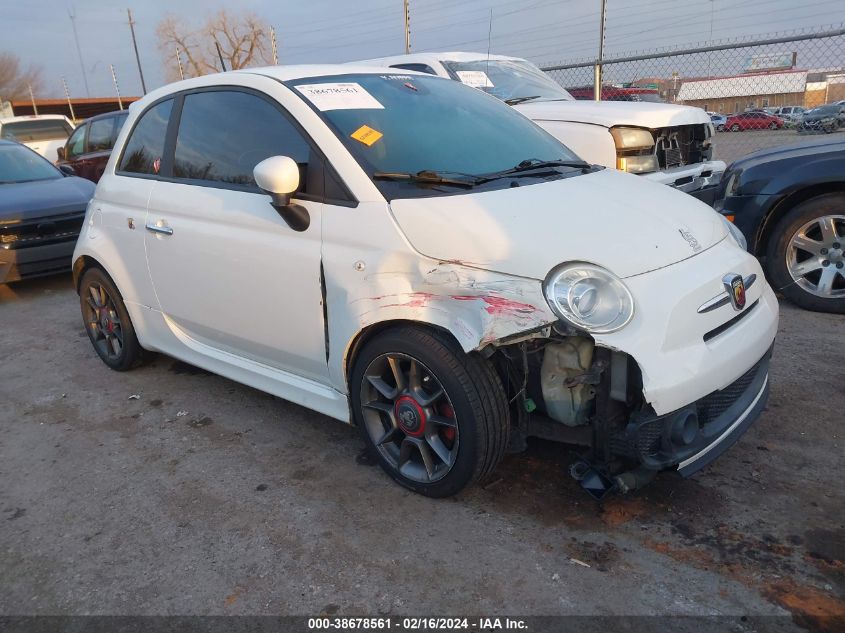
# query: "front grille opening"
682,145
712,406
41,231
730,323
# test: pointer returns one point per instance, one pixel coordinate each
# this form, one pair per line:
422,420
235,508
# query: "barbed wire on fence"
768,83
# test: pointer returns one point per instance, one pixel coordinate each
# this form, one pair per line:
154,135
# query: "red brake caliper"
447,411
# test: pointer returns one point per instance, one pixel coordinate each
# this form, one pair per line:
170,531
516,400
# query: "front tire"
805,257
735,128
107,322
435,418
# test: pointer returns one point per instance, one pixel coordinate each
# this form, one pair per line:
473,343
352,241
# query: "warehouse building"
746,92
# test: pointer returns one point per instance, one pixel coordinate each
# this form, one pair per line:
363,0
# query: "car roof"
300,71
29,117
106,115
280,73
451,56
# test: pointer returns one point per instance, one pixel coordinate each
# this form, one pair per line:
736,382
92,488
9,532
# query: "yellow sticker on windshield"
366,135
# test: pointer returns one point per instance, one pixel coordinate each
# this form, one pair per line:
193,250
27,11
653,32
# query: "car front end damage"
672,389
680,156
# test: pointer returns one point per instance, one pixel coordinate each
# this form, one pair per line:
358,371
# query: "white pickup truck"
44,133
667,143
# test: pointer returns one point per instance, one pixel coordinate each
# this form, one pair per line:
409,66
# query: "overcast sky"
545,31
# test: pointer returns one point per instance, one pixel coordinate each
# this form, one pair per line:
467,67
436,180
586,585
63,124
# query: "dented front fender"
366,287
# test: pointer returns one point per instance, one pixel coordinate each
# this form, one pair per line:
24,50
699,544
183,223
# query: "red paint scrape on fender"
500,305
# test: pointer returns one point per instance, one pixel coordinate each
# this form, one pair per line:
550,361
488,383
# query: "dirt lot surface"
202,496
728,146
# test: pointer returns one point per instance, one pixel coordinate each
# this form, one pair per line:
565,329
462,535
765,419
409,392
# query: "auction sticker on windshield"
366,135
339,96
475,78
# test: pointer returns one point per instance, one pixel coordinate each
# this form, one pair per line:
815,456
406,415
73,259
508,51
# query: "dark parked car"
89,147
789,202
753,121
826,118
41,212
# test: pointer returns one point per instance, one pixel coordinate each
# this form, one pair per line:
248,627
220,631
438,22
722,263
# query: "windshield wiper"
429,177
532,164
518,100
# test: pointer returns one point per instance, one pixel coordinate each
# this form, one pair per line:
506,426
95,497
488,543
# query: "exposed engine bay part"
568,380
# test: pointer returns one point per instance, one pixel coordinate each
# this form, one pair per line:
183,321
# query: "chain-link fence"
760,92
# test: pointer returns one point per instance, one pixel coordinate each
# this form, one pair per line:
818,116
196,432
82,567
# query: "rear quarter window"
144,148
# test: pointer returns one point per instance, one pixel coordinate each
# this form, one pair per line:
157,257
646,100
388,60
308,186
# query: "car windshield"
36,130
403,124
824,110
508,79
21,164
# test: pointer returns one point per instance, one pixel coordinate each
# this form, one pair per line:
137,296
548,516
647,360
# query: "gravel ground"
203,496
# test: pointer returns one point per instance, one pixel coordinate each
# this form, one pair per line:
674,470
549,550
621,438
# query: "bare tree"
15,79
243,40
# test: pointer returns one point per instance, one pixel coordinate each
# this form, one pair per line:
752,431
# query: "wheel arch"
785,205
84,263
369,332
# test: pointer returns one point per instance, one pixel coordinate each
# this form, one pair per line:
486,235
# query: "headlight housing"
589,297
732,185
634,150
736,234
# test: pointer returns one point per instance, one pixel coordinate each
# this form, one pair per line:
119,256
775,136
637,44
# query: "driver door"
227,270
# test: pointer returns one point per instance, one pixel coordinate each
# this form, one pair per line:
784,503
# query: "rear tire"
107,322
735,128
796,245
442,424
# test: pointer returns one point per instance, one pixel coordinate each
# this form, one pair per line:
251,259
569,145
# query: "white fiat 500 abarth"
412,256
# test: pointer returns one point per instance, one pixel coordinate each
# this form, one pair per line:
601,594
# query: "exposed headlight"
589,297
732,186
632,138
736,234
637,164
634,150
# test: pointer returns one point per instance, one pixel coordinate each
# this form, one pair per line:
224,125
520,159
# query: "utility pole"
710,53
32,97
273,45
116,88
179,63
407,27
598,66
69,104
72,16
135,45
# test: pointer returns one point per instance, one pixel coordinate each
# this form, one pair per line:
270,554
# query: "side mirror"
279,177
67,170
61,153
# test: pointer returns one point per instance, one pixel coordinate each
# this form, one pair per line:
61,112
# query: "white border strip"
727,431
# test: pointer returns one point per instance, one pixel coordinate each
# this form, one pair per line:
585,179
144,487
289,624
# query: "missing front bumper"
692,437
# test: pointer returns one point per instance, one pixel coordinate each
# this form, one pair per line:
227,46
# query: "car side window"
76,142
100,135
145,146
119,120
224,134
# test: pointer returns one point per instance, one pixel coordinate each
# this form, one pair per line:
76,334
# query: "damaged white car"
409,255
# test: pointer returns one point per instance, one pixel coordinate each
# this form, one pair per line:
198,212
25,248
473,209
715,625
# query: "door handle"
161,230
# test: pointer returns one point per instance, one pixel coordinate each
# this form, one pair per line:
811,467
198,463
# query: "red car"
753,121
89,147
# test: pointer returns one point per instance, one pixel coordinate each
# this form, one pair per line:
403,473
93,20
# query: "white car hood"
610,113
609,218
